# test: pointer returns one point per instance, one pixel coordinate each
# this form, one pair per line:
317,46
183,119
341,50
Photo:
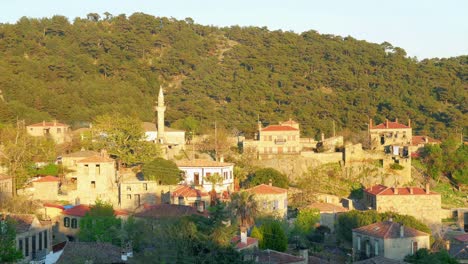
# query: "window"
20,245
145,186
26,246
45,239
74,223
129,188
376,247
265,205
414,247
208,174
358,243
93,184
59,130
98,169
33,244
40,240
66,222
275,205
129,196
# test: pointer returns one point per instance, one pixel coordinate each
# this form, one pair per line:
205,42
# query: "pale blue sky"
423,28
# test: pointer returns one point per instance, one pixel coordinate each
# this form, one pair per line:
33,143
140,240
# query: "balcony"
280,141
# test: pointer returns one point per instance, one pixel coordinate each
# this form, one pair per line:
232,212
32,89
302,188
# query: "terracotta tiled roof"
167,211
23,222
384,190
94,252
327,207
266,189
48,179
417,140
239,245
462,238
82,154
187,191
380,260
4,177
459,251
96,159
272,256
279,128
58,206
388,229
389,124
202,163
82,209
48,124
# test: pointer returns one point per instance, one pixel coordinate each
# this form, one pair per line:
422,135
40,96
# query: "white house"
196,171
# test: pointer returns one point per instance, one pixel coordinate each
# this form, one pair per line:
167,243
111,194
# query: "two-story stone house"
59,132
388,239
271,200
391,137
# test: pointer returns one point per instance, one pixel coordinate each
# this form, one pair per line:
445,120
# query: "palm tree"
244,207
214,179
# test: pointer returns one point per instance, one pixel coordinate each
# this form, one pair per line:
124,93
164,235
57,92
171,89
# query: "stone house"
186,195
418,142
70,160
33,237
6,185
69,221
328,213
196,171
96,179
166,211
388,239
271,200
423,204
92,252
46,188
134,194
59,132
393,134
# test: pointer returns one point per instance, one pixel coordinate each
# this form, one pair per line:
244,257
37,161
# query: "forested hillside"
52,68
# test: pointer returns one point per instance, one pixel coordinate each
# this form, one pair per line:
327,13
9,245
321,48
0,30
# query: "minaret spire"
161,108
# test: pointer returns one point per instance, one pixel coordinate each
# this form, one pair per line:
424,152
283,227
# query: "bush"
396,166
263,176
306,220
271,235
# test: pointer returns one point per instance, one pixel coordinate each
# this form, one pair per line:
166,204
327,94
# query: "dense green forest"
52,68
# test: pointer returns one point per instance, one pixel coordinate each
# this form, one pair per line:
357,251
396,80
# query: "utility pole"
334,134
216,142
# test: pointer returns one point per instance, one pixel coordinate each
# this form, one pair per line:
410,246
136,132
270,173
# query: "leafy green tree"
272,236
8,251
244,207
49,169
265,175
423,256
123,137
306,220
164,171
100,224
214,179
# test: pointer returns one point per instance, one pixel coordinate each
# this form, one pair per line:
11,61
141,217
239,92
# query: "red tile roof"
272,256
48,124
389,124
239,245
266,189
48,179
202,163
58,206
82,209
417,140
5,177
96,159
187,191
23,222
388,229
279,128
462,238
384,190
327,207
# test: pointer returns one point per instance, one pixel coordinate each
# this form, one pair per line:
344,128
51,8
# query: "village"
319,221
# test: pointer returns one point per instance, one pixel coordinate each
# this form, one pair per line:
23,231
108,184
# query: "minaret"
160,108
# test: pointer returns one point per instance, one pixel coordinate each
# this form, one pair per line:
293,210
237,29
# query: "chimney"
409,122
124,256
395,190
55,122
426,140
447,245
323,137
370,123
402,230
396,120
411,190
390,219
43,122
386,123
259,126
270,182
243,235
221,159
428,188
304,253
200,205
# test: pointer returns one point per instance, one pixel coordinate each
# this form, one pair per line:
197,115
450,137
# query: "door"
280,150
196,178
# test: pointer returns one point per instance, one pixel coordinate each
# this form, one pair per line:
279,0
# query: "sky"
425,29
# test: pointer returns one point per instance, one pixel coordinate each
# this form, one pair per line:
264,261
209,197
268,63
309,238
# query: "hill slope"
52,68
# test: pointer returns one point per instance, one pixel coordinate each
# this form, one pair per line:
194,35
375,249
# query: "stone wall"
426,208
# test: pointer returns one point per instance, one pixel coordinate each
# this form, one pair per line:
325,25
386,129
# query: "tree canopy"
263,176
105,63
164,171
8,251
